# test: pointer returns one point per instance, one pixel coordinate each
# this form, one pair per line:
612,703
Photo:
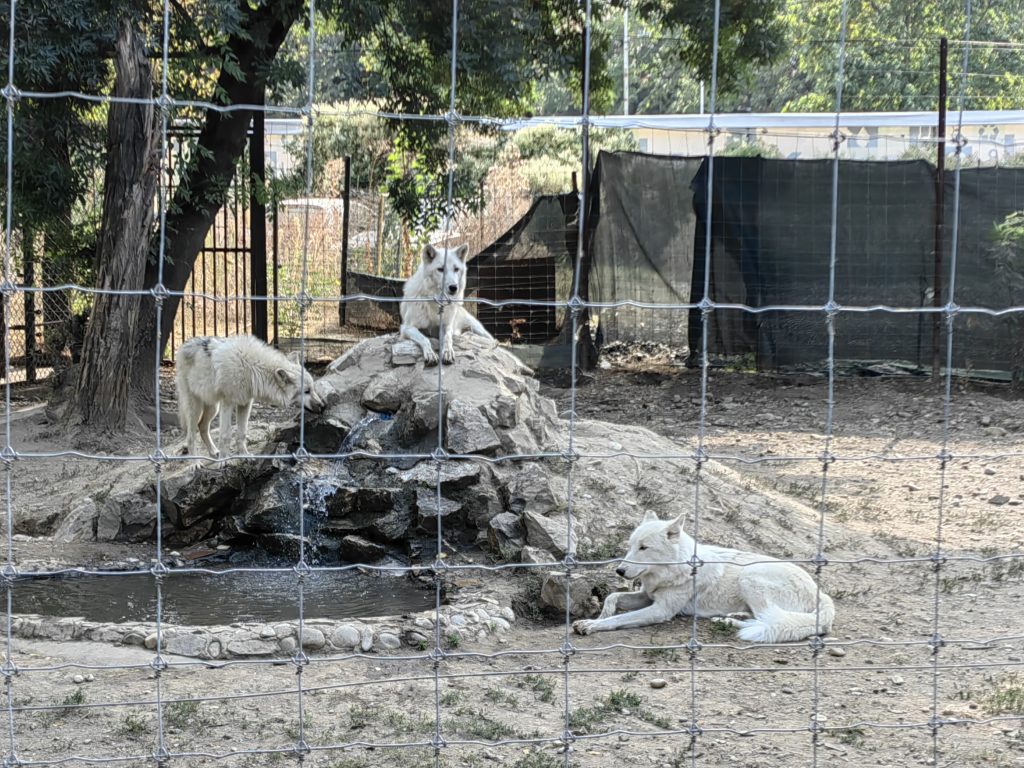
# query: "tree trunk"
211,169
100,396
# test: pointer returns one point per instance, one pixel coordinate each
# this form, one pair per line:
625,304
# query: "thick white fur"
781,596
442,272
229,374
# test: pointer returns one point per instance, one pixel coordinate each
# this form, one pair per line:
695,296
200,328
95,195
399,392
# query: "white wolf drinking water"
442,272
729,584
229,374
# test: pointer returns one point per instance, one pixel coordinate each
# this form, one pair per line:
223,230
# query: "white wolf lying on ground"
229,374
781,596
442,271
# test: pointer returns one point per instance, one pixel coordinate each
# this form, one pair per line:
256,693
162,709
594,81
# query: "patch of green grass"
661,655
69,704
359,716
1007,696
587,719
180,713
402,723
500,696
451,698
452,640
622,699
474,724
542,687
134,725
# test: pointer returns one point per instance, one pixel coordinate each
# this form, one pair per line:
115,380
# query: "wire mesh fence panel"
411,564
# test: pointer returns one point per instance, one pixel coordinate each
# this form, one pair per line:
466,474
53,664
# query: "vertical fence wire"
302,570
816,644
159,292
574,307
949,315
440,456
8,291
699,456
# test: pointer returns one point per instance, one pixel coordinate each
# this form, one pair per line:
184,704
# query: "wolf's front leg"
623,601
414,334
656,613
447,331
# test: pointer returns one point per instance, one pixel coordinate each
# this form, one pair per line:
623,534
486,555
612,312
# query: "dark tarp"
642,243
771,227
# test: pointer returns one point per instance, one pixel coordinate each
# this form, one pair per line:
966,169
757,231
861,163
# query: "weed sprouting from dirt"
179,714
1007,695
134,725
542,687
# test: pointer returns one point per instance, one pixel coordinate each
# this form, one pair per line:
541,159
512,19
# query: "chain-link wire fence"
433,728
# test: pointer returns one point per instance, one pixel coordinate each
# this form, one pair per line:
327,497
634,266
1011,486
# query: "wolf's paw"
584,626
448,355
429,357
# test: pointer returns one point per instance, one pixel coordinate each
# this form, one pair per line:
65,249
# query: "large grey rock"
490,406
582,602
468,430
198,646
356,549
383,513
427,506
506,535
79,524
127,517
550,533
453,474
535,556
345,637
532,489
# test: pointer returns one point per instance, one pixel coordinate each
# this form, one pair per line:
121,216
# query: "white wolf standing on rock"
228,374
442,272
729,583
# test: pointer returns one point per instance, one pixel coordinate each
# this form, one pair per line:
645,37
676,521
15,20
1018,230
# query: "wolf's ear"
429,253
674,528
284,377
295,357
650,515
462,251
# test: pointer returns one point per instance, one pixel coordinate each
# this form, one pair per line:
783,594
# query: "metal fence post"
346,205
258,227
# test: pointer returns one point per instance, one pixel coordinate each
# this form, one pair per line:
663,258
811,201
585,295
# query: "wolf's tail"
777,625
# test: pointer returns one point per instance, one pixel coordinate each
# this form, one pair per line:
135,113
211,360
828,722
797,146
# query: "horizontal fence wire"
562,658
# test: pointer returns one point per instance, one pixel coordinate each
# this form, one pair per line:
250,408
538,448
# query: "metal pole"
258,225
28,249
940,172
274,270
625,60
346,202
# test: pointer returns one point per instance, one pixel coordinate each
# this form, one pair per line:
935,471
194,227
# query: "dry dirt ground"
753,705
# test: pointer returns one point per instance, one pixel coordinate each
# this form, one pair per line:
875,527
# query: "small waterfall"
319,489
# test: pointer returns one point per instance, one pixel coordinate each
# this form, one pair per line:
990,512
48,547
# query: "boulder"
506,535
582,602
535,556
79,524
550,533
356,549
